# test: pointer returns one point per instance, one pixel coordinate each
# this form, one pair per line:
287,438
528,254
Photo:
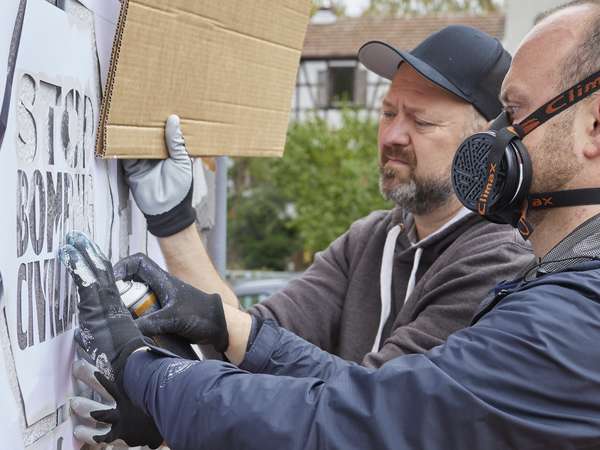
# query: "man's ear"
592,148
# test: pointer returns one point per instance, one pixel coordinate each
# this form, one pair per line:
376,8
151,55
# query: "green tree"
297,205
260,233
422,7
261,236
330,176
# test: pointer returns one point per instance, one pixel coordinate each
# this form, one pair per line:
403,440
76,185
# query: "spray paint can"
140,301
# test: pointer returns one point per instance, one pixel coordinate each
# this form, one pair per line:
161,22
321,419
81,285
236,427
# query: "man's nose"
395,132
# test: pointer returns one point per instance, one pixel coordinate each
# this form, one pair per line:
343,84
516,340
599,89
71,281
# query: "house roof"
343,38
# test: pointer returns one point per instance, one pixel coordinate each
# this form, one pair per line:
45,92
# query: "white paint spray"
78,267
97,257
104,366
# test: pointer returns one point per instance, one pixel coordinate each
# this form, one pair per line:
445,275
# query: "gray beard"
418,197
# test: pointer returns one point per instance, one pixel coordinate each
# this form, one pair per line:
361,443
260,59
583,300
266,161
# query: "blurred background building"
331,76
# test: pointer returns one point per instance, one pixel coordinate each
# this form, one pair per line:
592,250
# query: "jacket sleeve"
270,353
428,401
451,295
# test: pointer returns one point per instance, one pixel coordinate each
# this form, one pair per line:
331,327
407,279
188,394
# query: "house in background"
330,73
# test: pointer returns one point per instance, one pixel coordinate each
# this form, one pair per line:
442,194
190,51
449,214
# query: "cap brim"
384,60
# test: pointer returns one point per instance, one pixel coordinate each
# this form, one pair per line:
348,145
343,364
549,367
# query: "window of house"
339,85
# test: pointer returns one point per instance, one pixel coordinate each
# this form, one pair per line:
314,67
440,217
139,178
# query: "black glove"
107,332
113,419
185,311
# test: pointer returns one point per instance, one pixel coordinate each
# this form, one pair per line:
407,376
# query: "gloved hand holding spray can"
140,301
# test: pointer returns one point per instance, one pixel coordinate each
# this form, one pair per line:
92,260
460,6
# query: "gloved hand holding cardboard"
162,189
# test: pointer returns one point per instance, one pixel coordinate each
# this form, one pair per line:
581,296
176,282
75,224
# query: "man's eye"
511,111
388,114
422,123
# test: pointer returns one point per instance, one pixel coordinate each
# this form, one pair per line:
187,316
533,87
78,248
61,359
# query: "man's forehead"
408,78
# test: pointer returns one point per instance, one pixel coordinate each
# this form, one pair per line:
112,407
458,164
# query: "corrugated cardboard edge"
114,60
103,123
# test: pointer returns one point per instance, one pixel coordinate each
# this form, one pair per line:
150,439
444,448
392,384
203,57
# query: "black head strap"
574,197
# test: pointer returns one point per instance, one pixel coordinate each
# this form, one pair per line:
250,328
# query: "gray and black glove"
107,333
185,311
163,189
113,420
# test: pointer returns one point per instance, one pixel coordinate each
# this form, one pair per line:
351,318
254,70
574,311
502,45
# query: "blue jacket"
526,375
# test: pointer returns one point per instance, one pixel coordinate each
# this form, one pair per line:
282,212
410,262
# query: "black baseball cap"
463,60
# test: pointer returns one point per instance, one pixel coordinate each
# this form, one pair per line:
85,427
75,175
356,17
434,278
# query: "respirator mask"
491,171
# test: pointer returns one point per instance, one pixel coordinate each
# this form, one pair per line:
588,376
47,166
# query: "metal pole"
218,239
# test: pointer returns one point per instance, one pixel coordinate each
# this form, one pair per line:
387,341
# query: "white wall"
520,17
55,104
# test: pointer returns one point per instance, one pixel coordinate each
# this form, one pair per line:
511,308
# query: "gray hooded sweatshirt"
375,294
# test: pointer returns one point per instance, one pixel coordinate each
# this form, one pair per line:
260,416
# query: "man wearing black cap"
399,281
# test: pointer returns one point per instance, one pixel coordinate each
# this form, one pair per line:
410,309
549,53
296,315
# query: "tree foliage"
261,237
331,177
422,7
299,204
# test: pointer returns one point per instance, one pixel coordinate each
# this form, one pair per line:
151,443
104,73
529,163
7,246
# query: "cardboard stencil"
61,438
55,185
227,68
52,184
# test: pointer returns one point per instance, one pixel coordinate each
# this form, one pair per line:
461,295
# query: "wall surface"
520,17
51,184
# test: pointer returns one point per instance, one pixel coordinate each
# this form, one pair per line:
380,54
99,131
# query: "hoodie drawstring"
413,273
385,281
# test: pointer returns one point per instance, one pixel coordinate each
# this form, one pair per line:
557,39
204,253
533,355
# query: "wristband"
173,221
